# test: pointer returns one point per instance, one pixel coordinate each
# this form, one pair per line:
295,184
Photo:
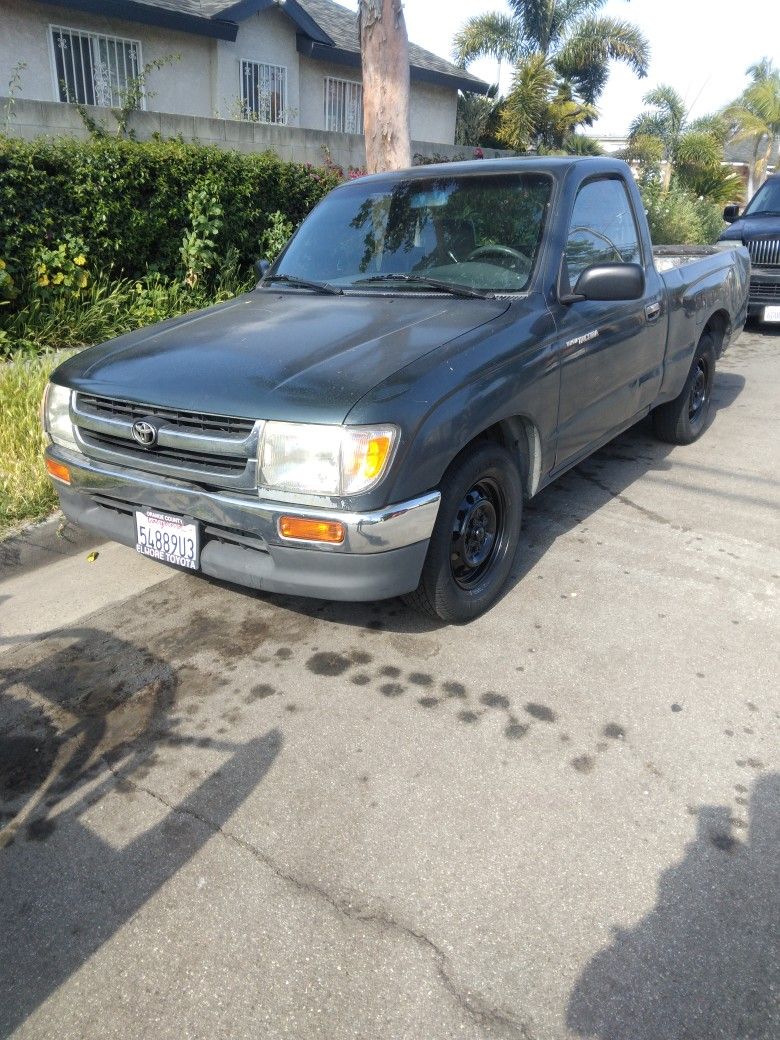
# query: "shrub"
275,236
677,217
109,308
130,204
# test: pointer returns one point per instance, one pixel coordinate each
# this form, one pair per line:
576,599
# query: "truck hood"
747,228
275,355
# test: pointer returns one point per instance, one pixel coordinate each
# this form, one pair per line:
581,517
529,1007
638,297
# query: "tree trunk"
384,47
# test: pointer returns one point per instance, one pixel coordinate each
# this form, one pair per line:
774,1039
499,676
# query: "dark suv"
758,228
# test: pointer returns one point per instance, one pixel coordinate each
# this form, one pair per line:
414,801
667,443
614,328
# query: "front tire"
683,420
475,537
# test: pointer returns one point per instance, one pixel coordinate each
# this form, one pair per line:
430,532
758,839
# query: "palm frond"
713,183
488,35
714,126
696,150
581,144
570,11
593,43
761,70
536,19
746,124
668,101
526,105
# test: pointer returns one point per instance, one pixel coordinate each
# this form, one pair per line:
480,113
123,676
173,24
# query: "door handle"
652,312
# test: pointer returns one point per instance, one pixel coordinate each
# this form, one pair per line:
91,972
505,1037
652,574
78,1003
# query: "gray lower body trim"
402,523
382,555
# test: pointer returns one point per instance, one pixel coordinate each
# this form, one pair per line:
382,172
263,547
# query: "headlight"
56,416
324,460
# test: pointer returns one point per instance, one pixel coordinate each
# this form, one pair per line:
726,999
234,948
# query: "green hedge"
127,201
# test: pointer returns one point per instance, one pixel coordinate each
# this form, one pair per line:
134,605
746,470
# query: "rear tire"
683,420
475,537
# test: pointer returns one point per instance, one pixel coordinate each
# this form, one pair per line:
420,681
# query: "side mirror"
610,282
262,267
731,213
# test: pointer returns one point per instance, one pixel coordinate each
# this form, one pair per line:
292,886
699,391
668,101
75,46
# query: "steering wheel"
497,250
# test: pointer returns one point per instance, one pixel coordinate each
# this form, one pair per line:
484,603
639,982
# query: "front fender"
445,400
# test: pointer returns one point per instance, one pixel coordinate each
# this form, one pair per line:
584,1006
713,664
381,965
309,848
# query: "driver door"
610,350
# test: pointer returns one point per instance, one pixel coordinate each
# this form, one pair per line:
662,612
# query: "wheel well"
519,436
719,324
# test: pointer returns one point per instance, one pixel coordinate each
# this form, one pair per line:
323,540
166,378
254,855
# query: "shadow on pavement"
705,963
606,475
562,506
82,711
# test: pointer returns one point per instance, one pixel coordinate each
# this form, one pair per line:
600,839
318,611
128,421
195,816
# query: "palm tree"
664,121
561,50
384,48
689,152
540,110
755,116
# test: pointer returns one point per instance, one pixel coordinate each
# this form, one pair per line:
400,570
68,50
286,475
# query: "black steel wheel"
478,532
684,419
698,398
475,537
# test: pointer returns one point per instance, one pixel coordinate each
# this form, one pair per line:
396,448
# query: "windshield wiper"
303,283
432,283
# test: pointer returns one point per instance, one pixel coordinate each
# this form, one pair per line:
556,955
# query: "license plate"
771,313
168,538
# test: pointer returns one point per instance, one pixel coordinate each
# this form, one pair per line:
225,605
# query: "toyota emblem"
145,432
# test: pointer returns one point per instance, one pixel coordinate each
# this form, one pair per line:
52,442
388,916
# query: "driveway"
229,815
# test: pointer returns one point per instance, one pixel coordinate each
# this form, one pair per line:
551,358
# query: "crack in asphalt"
648,513
509,1026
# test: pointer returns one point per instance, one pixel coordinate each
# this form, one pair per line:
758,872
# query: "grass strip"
26,493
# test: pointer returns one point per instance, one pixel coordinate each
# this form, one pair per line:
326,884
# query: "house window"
91,69
343,106
264,92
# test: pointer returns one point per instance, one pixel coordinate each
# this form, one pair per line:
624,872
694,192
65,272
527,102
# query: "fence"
31,119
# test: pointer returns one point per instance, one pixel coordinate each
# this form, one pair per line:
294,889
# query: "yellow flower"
43,279
2,265
40,268
58,279
79,260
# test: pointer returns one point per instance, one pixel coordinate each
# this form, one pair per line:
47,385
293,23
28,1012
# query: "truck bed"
668,257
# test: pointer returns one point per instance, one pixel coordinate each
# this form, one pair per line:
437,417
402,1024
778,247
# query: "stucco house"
293,63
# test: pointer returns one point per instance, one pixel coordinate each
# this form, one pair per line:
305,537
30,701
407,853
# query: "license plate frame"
772,314
157,533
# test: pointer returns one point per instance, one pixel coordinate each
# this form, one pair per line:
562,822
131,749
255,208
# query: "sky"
700,47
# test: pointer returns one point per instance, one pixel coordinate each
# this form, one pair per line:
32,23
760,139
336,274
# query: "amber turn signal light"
58,470
305,530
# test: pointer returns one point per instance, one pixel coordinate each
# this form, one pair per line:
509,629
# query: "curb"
40,544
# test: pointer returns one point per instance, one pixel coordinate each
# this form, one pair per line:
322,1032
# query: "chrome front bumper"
382,553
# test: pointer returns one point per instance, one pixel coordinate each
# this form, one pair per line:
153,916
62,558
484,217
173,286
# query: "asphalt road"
230,815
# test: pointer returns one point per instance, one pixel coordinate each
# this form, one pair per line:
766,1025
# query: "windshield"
478,231
766,199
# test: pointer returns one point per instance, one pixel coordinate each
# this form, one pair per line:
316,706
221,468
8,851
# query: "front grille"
214,463
760,291
186,421
213,450
764,252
